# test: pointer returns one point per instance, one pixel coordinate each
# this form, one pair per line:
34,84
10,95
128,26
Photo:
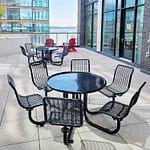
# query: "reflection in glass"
40,14
91,16
139,27
109,32
95,30
88,9
88,27
88,30
25,13
95,8
19,2
140,2
128,35
13,13
88,1
129,3
118,33
41,3
119,4
109,4
122,14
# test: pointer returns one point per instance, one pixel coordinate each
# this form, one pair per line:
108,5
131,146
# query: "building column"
81,20
99,26
145,58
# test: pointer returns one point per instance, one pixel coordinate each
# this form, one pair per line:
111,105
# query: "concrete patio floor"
18,133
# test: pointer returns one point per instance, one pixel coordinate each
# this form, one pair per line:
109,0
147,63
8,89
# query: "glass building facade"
25,16
91,16
122,28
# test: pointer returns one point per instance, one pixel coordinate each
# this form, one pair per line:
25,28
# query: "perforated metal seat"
121,82
82,65
64,112
29,56
60,56
29,102
31,50
39,75
118,111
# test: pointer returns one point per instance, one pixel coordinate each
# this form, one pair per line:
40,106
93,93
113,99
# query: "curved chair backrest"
63,111
65,51
82,65
72,42
29,102
49,42
29,56
122,78
39,73
29,47
136,96
23,50
12,84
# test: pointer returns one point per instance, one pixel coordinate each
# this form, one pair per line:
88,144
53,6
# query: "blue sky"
63,12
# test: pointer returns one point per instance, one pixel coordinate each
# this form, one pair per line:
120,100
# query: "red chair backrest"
72,42
49,42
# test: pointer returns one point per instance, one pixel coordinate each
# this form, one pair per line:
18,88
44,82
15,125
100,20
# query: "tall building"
117,28
25,16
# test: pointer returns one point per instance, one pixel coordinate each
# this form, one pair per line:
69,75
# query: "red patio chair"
49,42
72,43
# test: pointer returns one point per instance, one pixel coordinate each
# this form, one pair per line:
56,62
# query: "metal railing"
58,37
39,38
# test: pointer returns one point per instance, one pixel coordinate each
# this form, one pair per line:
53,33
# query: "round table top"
46,48
76,82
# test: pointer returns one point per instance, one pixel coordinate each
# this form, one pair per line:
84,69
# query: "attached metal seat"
64,112
118,111
31,50
29,56
60,56
82,65
121,82
39,75
29,102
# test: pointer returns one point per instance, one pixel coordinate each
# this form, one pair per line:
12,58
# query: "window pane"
96,7
140,1
95,30
25,13
88,1
42,3
13,14
129,3
19,2
109,4
119,4
25,3
40,15
88,9
118,33
88,30
139,27
109,32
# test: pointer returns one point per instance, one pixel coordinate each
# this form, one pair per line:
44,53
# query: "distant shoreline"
63,29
